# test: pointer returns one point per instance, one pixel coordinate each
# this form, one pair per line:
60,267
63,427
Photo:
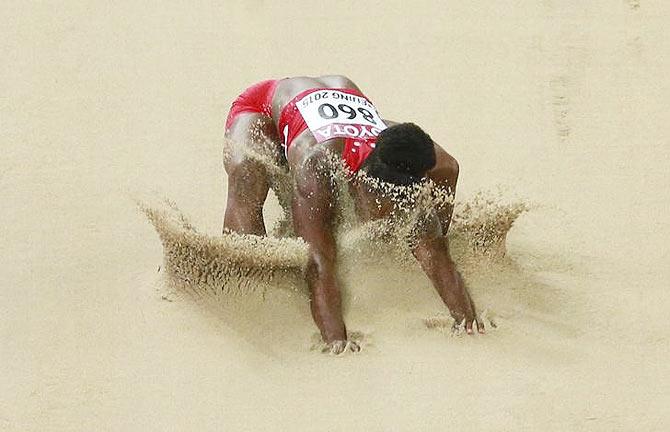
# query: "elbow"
451,171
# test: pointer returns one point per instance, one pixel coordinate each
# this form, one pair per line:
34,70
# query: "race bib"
334,114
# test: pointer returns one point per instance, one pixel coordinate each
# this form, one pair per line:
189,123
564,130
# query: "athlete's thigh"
252,136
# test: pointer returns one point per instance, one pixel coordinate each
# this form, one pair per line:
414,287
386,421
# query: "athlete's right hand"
338,347
468,325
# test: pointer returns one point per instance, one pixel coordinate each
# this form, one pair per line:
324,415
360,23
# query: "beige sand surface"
561,103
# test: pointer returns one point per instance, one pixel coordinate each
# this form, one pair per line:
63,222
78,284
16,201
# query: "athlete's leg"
251,145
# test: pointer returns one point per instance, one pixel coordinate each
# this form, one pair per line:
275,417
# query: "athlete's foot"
338,347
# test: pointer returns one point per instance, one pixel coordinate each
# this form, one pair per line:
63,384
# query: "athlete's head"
403,154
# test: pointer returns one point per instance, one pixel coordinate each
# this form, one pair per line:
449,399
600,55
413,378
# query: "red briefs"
327,113
333,113
255,99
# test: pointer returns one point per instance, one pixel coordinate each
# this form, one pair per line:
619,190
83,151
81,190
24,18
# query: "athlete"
300,122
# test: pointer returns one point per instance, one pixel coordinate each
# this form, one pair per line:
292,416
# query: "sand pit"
235,277
561,103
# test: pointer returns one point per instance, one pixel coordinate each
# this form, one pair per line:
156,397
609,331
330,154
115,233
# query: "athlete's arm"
445,175
432,247
432,252
313,214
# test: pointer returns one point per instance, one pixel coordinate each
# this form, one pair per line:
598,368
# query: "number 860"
327,111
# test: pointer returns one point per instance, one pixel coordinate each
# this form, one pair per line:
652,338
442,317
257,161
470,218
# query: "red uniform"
255,99
359,135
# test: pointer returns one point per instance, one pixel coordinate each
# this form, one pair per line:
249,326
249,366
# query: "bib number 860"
328,111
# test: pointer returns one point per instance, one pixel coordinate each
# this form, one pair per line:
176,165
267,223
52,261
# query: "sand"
559,105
